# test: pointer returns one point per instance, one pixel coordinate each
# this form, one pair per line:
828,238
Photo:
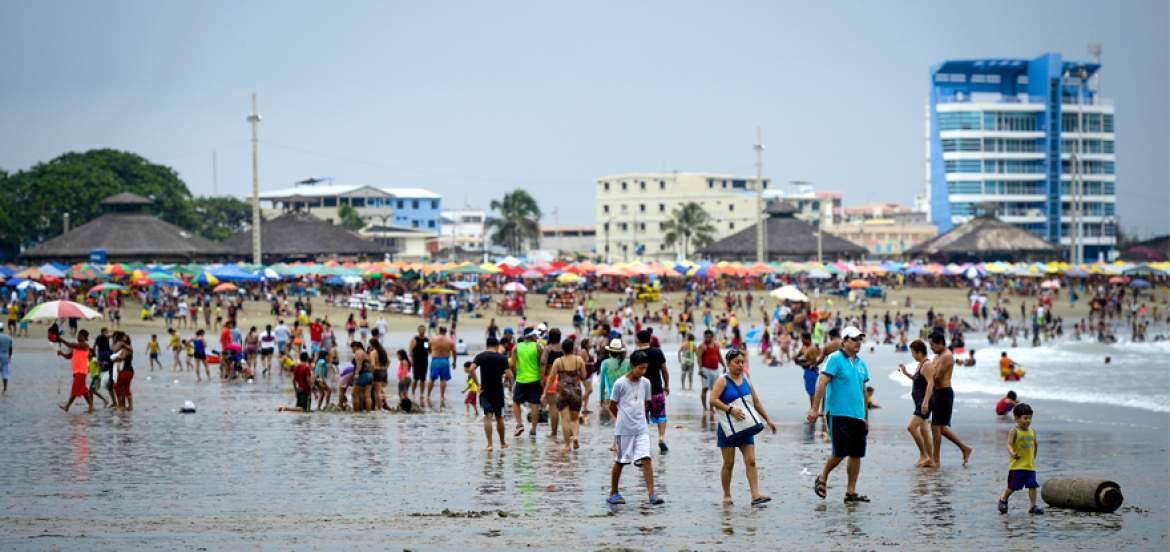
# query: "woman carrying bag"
741,417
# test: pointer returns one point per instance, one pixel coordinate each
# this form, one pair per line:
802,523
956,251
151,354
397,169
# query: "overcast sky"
472,99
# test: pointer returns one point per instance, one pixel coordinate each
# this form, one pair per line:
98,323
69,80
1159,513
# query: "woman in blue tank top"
726,394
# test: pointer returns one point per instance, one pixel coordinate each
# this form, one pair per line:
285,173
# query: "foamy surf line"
1157,403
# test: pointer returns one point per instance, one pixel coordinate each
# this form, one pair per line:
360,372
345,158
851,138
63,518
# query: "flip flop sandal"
616,499
854,497
819,488
761,500
519,432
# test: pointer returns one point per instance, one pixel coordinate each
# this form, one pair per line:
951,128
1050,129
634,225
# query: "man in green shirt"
525,363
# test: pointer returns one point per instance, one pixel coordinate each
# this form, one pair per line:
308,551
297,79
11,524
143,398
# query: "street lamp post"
761,234
254,120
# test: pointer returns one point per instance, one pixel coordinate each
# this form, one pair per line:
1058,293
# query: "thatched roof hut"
300,236
127,234
788,238
986,238
1153,249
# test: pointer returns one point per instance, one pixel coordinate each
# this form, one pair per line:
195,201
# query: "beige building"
568,240
631,210
884,237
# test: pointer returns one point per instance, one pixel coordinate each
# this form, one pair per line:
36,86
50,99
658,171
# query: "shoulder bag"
751,424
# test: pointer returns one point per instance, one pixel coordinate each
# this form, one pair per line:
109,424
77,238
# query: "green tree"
518,222
689,224
77,183
349,218
218,217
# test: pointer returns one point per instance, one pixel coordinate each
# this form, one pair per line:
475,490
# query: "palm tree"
518,221
689,224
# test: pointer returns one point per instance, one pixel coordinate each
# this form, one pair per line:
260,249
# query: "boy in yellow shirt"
152,349
1021,447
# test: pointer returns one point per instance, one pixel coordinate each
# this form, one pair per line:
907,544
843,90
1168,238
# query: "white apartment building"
463,228
631,210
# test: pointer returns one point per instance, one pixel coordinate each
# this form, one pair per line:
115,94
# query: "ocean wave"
1030,390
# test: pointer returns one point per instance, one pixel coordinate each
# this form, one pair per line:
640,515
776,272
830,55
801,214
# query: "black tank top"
918,391
552,357
420,351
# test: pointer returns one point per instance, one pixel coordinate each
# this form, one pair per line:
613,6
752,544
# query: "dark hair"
834,332
708,332
467,364
639,358
554,336
644,335
402,353
567,346
304,356
690,337
1011,395
938,337
1003,353
492,341
732,354
1022,409
918,346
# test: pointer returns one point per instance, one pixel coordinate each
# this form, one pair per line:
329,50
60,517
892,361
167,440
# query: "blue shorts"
1020,479
722,441
810,381
441,369
5,368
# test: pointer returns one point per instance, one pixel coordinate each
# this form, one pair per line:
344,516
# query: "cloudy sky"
472,99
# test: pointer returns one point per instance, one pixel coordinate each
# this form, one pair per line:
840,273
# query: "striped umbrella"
61,309
106,287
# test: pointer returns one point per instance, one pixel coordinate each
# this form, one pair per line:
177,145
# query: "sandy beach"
239,474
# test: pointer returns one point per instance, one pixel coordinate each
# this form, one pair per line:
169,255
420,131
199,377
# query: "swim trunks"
941,405
810,381
848,436
440,369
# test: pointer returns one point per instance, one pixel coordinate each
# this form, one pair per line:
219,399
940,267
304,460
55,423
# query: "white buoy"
176,382
188,408
249,380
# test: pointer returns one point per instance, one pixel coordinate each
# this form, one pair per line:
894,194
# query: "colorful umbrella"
438,291
61,309
100,288
789,293
225,288
206,279
858,284
515,287
568,278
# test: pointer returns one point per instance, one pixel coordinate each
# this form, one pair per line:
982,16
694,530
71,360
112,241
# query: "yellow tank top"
1026,450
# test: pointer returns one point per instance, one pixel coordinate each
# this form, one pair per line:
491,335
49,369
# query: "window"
724,184
765,184
331,202
414,204
434,204
661,207
662,226
641,226
641,207
623,226
1107,123
731,226
625,186
606,184
959,120
357,201
605,209
414,223
624,208
642,185
710,184
430,224
661,184
730,206
739,184
400,204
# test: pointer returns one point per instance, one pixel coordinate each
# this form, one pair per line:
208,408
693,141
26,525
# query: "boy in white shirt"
628,403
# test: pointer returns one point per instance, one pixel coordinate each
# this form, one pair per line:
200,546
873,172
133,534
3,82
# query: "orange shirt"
80,361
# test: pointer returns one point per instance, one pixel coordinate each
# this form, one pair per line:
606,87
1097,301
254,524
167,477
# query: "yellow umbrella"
568,278
438,291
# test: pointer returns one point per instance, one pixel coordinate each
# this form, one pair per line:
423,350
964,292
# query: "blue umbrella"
1138,283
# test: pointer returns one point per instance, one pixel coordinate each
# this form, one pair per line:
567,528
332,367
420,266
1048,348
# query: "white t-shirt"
631,400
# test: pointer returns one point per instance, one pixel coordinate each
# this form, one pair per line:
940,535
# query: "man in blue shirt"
842,386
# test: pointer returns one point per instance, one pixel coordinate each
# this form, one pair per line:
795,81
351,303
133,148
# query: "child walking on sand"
152,349
1021,447
472,390
628,404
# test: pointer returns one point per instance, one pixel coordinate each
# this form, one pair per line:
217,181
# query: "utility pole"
761,235
254,120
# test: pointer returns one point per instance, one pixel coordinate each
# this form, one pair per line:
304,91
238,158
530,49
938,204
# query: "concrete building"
880,211
406,207
569,240
884,237
810,205
463,229
631,209
403,243
1007,135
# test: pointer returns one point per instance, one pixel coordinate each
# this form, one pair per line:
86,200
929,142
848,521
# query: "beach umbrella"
1138,283
30,284
225,288
109,286
464,285
568,278
531,274
438,291
858,284
270,274
789,293
1117,280
490,268
819,274
1050,284
206,279
1138,270
61,309
515,287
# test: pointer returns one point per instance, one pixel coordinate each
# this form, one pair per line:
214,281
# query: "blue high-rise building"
1007,137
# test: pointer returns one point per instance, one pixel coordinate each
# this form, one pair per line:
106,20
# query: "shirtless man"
807,359
940,398
442,357
419,351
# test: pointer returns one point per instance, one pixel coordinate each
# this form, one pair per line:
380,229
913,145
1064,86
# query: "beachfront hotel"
631,209
1009,137
413,208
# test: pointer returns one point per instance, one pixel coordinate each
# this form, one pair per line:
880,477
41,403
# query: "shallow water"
239,474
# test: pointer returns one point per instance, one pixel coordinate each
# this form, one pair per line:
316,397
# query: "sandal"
761,500
819,488
616,498
519,432
854,497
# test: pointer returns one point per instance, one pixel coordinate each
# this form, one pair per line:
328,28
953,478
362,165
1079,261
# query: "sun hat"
616,346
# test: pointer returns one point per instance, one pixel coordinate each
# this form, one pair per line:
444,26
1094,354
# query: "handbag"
751,423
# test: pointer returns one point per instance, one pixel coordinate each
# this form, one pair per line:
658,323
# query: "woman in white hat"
612,369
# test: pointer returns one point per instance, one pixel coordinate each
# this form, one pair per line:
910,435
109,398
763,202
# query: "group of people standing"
108,363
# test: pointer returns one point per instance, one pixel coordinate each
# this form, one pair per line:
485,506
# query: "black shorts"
492,405
303,399
917,398
418,368
200,356
941,405
848,436
531,393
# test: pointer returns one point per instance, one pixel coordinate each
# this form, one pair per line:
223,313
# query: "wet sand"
238,474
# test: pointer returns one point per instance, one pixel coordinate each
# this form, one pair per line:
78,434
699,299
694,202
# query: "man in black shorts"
419,362
493,370
844,378
942,398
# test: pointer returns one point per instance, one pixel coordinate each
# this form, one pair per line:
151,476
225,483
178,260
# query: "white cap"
541,327
851,332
